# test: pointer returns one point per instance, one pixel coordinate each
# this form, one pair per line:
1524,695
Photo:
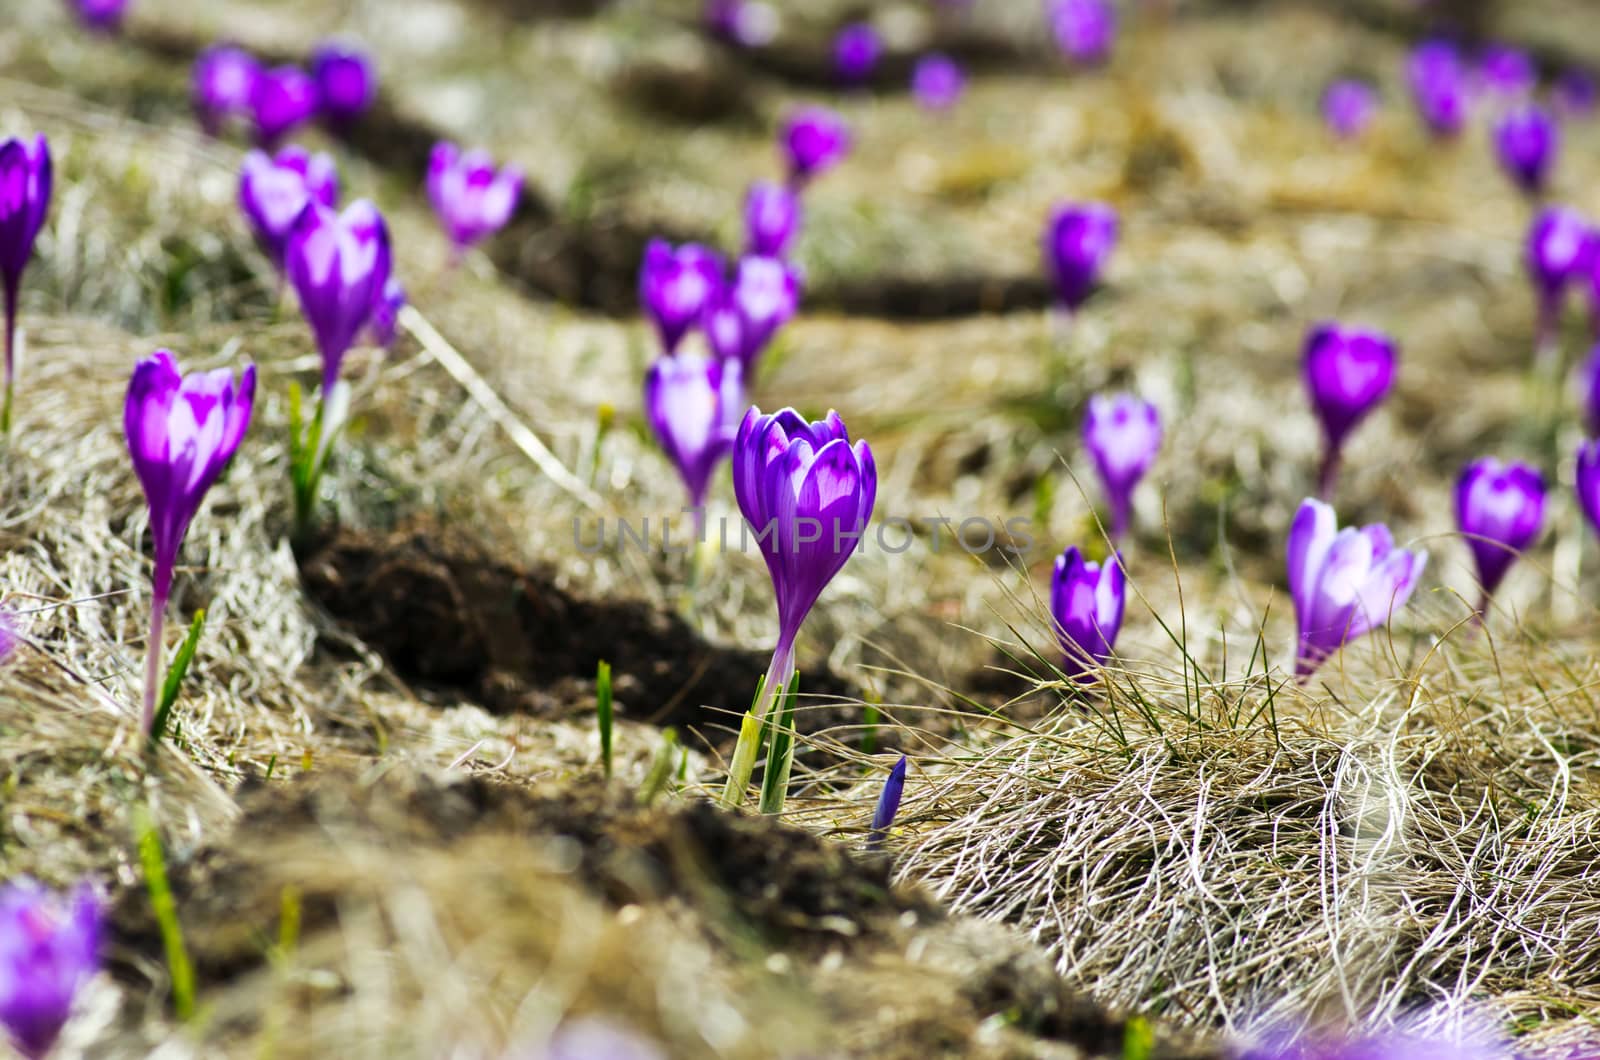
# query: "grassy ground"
376,747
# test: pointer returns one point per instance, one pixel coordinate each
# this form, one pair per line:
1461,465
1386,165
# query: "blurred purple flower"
339,265
385,323
1344,583
10,636
767,293
274,191
1507,72
1086,604
1085,30
346,82
1527,140
1439,85
747,23
101,16
1574,94
1560,253
49,949
1123,435
181,431
1587,485
591,1038
1348,108
1390,1046
1500,511
223,85
771,218
888,805
693,404
282,100
1077,241
1348,371
814,140
471,199
937,82
26,179
675,286
856,51
725,326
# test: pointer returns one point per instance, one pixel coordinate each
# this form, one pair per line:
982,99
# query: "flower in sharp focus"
1348,371
937,82
814,140
1077,242
472,199
771,218
49,949
1086,604
1587,485
346,82
1344,583
1574,94
1527,141
675,286
856,51
1507,72
888,804
1500,511
767,292
1123,435
1348,108
102,16
26,179
693,405
273,192
1085,30
223,85
282,100
339,265
1439,86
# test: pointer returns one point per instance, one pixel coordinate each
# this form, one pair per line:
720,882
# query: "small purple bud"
1575,94
693,404
1527,140
26,180
1077,241
472,200
1588,482
937,82
814,140
101,16
1348,108
1085,30
1500,511
274,191
284,99
1123,434
385,324
767,292
346,82
888,805
747,23
771,218
1348,372
223,85
339,266
856,51
1438,81
1507,72
1344,583
49,949
1086,602
1560,250
675,286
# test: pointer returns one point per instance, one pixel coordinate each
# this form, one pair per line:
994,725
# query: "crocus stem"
161,588
743,763
11,354
1119,518
1328,474
1547,344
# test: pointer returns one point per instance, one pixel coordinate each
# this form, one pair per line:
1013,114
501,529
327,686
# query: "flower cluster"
229,84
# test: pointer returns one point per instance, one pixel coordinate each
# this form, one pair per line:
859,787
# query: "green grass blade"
775,784
666,757
603,713
174,678
165,909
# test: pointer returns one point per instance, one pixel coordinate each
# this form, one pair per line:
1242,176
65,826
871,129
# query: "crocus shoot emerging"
1077,241
1500,511
1086,605
1123,435
49,949
182,431
1348,372
888,805
25,182
472,199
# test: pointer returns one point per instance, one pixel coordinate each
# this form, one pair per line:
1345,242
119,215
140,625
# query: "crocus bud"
1084,29
1344,583
1077,241
49,949
771,218
1560,252
283,99
767,292
1123,434
339,266
1507,72
385,323
1500,511
856,51
1439,86
1527,140
471,199
1587,485
693,404
1348,372
937,82
1574,94
26,177
675,286
888,805
101,16
274,191
814,140
1086,602
1348,107
346,82
223,85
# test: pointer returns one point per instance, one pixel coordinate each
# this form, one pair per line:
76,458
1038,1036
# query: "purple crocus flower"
1527,140
856,50
1574,94
273,192
746,23
1348,107
1086,602
771,218
726,329
1390,1046
814,140
25,181
1507,72
385,323
472,199
1085,29
182,431
223,85
1587,485
693,404
10,636
590,1038
1439,84
1348,372
937,82
1500,511
767,293
282,100
1345,583
339,265
1560,252
346,82
1077,241
49,949
888,805
1123,434
675,286
101,16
